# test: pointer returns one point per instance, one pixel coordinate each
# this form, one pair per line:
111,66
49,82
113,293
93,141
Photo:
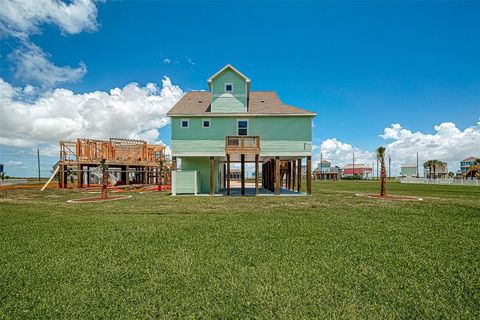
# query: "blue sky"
361,66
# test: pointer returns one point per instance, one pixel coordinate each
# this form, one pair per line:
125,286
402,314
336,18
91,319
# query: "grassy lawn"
331,255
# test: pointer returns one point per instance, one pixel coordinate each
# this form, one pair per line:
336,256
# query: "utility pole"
38,163
377,168
417,166
353,167
321,165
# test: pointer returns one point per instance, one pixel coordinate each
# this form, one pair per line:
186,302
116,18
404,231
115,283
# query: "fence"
455,182
9,182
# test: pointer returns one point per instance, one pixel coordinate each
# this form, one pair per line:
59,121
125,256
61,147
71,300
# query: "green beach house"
232,124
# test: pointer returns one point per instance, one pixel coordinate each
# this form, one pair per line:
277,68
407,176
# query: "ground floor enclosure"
268,175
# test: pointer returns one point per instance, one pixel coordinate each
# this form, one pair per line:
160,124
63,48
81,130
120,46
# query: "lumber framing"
127,156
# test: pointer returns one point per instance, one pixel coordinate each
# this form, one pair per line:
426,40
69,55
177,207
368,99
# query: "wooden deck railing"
242,144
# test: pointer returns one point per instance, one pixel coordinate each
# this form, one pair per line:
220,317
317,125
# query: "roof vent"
262,101
200,101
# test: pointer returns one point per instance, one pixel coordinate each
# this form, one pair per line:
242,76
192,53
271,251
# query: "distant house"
409,170
439,170
359,169
466,163
230,123
324,166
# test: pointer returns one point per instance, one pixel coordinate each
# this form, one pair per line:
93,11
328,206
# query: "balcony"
242,144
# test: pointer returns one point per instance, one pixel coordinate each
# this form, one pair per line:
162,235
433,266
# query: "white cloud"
448,143
33,65
20,18
191,62
340,153
167,61
15,163
131,112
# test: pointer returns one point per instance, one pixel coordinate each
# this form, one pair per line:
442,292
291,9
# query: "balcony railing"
242,144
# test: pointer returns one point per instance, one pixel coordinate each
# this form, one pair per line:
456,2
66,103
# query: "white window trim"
225,86
209,121
188,123
248,126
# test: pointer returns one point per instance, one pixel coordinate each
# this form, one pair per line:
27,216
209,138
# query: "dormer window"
228,87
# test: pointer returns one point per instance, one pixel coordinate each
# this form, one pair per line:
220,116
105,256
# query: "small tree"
104,169
383,173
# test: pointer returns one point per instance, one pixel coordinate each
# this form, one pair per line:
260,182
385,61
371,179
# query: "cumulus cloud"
20,18
33,66
130,112
341,153
448,143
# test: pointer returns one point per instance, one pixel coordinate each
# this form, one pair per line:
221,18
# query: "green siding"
185,182
277,134
202,165
229,102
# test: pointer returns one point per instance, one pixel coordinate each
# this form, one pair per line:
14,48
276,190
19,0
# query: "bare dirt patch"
98,199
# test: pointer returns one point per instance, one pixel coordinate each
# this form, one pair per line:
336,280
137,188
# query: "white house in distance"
409,170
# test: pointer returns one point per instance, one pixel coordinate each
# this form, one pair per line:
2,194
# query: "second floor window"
184,123
242,127
206,123
228,87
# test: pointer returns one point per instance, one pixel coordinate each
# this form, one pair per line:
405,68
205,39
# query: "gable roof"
469,159
228,66
196,103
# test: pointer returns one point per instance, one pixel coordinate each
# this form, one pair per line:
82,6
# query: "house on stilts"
232,125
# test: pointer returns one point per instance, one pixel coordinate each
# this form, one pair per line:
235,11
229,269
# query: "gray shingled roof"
260,102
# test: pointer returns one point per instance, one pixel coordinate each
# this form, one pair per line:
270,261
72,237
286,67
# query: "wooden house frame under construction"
145,162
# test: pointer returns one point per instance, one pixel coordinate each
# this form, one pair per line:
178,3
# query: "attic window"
228,87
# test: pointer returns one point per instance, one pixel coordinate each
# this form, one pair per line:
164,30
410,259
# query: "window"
184,123
242,127
228,87
206,123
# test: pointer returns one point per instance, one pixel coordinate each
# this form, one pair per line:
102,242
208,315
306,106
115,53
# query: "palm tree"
430,164
383,173
104,168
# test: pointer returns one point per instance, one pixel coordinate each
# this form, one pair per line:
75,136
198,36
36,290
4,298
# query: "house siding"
291,135
229,102
202,165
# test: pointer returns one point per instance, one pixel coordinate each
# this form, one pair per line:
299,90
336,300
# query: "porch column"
277,176
256,174
228,174
88,176
79,176
289,175
127,175
299,174
242,174
211,175
309,175
294,174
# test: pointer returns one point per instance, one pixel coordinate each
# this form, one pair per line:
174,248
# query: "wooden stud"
277,176
309,175
211,175
228,174
256,174
242,174
294,174
299,175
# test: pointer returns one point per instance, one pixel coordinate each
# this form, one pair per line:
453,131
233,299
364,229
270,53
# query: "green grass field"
331,255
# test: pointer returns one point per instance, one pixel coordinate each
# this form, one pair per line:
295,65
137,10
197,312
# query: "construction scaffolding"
128,161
